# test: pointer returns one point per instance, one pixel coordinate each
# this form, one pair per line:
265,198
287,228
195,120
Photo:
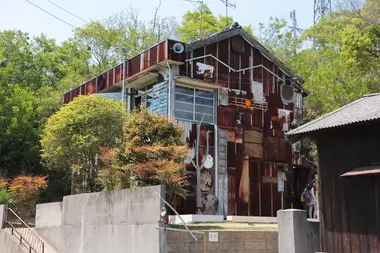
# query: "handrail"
25,234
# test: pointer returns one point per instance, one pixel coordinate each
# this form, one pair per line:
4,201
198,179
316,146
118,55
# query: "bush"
5,197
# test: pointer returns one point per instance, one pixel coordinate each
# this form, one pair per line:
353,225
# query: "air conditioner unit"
287,93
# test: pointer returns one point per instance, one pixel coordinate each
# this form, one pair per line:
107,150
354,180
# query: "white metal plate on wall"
213,236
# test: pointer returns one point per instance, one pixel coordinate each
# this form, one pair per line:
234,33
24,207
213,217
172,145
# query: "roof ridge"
325,116
371,95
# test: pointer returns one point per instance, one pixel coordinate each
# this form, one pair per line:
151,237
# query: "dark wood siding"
349,207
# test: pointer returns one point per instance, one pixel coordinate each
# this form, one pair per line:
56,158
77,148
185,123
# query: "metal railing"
24,233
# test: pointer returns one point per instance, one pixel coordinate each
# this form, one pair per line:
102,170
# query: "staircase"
26,236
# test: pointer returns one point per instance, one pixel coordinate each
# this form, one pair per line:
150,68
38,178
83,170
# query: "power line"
60,7
51,14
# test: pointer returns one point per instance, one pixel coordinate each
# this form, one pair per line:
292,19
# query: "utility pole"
200,9
294,22
228,5
295,28
321,9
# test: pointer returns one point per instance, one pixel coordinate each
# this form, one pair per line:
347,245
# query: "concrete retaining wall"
227,242
115,221
48,223
8,244
49,215
3,215
296,233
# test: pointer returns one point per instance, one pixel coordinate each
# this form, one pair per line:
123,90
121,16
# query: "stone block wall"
228,242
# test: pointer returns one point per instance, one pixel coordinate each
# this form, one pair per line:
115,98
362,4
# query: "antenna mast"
321,9
200,9
228,5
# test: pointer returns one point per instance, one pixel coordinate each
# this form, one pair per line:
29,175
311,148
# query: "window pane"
183,115
203,101
183,106
204,109
184,90
206,94
206,118
184,98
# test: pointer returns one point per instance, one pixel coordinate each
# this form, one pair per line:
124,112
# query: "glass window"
183,115
204,109
184,98
192,104
205,94
203,101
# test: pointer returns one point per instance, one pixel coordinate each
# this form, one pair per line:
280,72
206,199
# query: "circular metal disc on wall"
209,204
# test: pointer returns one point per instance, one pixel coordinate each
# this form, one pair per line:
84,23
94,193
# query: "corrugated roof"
368,170
364,109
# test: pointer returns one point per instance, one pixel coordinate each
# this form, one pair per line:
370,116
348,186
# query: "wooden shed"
348,142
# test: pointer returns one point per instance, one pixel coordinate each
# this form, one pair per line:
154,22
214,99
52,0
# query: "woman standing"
310,200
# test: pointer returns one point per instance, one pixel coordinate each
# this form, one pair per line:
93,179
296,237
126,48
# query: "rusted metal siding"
156,54
349,207
262,155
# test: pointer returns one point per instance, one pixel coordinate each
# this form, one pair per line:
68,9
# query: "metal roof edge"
294,131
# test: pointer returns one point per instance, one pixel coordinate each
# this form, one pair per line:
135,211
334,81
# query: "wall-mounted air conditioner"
287,93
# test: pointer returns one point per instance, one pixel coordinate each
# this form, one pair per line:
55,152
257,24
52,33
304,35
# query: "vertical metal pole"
124,75
72,181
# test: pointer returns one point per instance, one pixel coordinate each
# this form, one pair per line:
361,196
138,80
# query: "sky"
19,14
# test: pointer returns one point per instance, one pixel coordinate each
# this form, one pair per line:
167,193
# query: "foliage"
73,136
202,22
279,39
25,190
153,153
5,197
33,74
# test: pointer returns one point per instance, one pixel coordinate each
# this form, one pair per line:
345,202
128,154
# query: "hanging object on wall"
159,97
190,155
239,135
296,150
209,204
208,161
204,70
258,91
191,179
223,96
206,180
284,119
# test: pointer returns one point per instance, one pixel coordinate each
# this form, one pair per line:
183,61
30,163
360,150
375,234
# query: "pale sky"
19,14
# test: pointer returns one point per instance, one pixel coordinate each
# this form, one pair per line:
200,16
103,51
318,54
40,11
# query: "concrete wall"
3,215
48,223
295,233
115,221
8,244
49,215
227,242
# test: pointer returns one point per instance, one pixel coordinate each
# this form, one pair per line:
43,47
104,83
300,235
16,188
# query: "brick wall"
228,242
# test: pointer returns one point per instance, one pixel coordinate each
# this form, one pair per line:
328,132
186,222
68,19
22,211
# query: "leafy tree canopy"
202,22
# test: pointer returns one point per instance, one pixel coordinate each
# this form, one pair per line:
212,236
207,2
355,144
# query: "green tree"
280,40
153,154
202,22
73,136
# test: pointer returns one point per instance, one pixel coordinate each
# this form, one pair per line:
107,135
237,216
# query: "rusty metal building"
348,142
246,99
